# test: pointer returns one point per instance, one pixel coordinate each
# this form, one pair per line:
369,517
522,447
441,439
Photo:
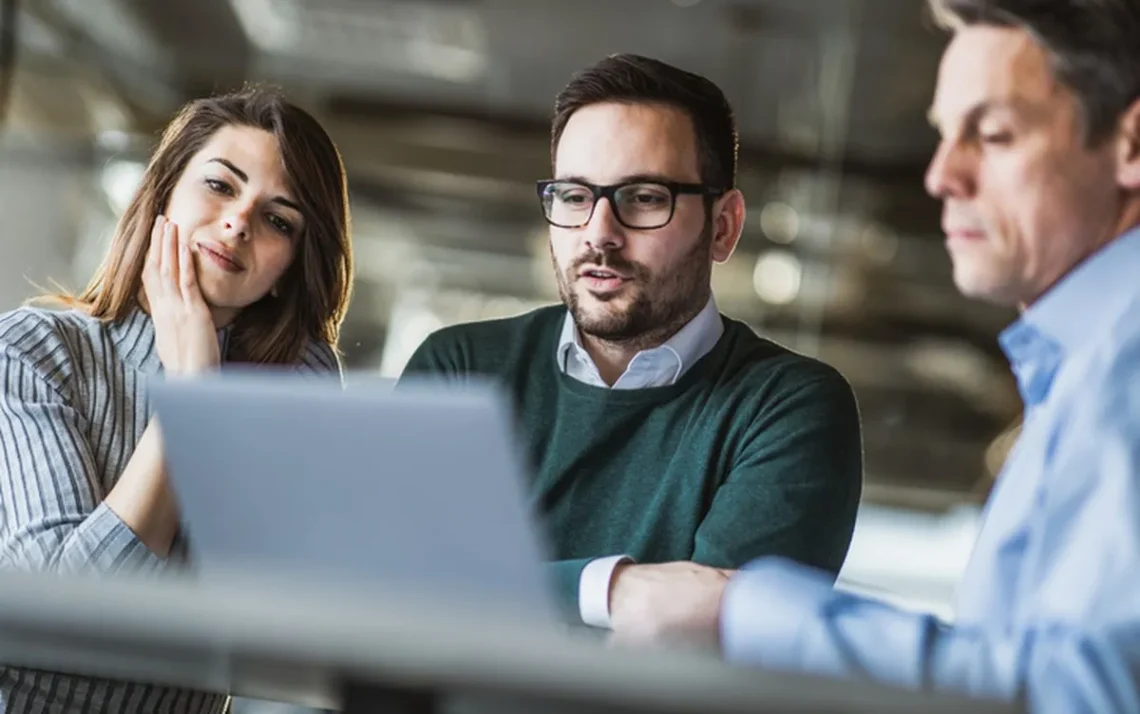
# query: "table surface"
272,639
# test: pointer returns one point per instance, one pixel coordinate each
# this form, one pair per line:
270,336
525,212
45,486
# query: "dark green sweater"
755,451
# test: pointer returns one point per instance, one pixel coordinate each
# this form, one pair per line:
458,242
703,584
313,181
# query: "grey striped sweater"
72,407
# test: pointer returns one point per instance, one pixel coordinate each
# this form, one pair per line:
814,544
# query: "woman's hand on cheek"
185,336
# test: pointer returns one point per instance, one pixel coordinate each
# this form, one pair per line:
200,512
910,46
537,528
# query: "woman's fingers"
153,265
188,275
154,252
169,266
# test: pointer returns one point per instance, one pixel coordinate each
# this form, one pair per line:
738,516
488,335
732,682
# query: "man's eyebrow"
646,178
629,178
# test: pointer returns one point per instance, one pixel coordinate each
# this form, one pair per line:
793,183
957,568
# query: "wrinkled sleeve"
52,515
1077,649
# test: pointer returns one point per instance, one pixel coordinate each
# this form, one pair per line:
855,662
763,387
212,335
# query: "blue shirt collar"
1072,314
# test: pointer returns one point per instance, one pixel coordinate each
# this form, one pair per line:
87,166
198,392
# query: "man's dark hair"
635,79
1094,46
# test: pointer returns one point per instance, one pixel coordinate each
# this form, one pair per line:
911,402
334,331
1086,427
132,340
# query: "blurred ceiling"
441,110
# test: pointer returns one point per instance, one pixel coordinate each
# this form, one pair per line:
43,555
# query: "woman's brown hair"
313,295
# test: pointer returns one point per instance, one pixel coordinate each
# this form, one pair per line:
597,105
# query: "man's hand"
670,603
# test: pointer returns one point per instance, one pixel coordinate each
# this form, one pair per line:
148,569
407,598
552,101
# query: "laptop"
414,489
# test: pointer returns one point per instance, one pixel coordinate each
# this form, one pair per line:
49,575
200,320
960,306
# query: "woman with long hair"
235,248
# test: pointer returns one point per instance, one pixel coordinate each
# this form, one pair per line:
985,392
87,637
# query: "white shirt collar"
656,367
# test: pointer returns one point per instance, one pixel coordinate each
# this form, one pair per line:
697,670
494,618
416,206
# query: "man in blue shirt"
1038,169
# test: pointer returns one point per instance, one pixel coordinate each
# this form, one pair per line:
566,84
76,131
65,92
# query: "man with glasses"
662,435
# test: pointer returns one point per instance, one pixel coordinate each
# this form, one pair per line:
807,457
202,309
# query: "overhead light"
879,243
440,41
777,277
113,140
271,25
780,222
120,180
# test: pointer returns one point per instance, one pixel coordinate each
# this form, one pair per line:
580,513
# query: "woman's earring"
273,291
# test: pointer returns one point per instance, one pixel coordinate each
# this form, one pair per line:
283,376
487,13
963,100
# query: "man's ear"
1128,149
728,221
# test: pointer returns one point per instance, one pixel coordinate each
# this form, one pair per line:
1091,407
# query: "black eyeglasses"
641,205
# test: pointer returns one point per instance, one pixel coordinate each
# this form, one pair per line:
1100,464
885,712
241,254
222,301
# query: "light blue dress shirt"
1049,606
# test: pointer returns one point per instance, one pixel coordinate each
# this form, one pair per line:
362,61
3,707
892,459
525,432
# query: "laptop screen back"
420,488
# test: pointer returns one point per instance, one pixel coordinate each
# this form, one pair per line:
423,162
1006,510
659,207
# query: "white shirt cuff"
594,589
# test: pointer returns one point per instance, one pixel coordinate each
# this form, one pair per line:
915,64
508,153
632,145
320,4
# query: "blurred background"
441,109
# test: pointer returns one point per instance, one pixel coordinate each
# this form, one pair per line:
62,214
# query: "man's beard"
661,303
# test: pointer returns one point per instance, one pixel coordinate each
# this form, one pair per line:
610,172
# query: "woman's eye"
219,187
281,224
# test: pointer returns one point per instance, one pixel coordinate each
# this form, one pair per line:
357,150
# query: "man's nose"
604,231
950,173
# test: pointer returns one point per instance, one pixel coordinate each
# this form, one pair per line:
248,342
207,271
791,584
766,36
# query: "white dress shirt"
656,367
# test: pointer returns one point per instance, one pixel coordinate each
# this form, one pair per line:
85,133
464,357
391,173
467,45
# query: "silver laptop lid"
418,489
